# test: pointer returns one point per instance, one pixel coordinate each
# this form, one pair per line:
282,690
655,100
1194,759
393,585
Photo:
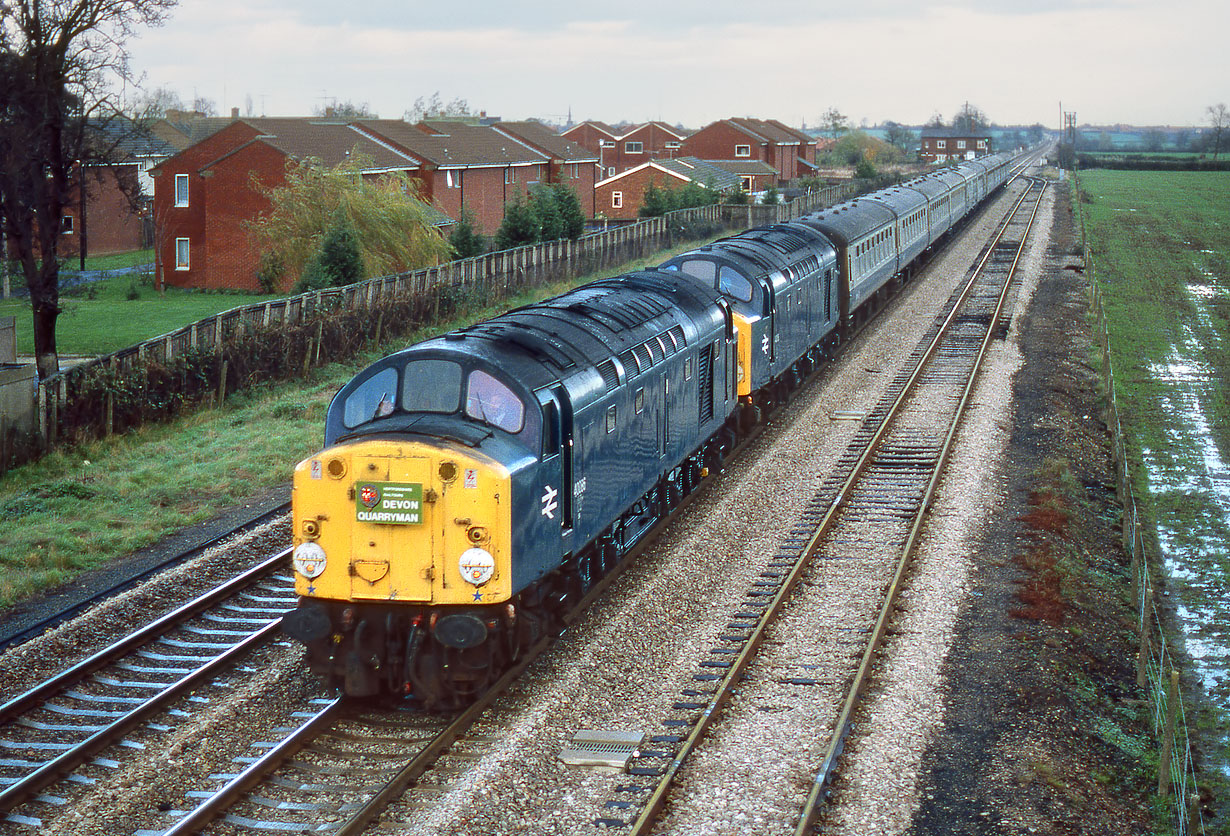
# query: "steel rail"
725,687
812,806
155,629
70,759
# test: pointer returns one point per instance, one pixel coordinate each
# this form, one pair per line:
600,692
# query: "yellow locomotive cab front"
401,521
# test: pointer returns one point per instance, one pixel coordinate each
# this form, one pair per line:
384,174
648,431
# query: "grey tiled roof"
456,146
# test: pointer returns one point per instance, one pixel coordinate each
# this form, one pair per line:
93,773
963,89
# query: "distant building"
790,152
620,197
627,148
942,145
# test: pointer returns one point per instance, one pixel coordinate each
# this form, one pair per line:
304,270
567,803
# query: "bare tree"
57,59
433,107
970,120
834,122
1218,118
154,104
345,110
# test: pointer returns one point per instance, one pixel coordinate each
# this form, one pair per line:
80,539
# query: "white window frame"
510,176
606,143
633,147
982,143
181,194
745,183
743,150
66,224
610,171
960,143
939,143
672,145
185,262
617,200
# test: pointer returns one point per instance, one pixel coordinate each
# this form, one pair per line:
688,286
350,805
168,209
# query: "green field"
114,313
1160,244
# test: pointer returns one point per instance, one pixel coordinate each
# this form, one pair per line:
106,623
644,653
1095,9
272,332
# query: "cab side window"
492,402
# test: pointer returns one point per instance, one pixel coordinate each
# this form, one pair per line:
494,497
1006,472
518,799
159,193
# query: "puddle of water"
1194,473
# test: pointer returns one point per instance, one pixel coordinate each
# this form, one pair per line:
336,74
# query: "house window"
960,143
452,179
671,145
743,150
610,172
66,225
634,148
745,183
939,143
617,200
509,177
181,189
607,143
982,143
181,253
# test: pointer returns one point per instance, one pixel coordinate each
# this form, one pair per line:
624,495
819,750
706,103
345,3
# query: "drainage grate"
595,747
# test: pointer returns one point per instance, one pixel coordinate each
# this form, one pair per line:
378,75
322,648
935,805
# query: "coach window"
639,402
431,386
373,399
492,402
610,418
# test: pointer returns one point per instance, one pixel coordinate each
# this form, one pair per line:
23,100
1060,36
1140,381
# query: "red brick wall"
632,187
717,142
111,224
484,192
221,200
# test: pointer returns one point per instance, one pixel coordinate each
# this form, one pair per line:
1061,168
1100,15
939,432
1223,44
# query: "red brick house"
206,195
569,162
474,166
113,218
941,145
629,148
790,152
620,197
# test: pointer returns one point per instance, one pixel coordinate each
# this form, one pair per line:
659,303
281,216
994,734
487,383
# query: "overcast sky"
692,61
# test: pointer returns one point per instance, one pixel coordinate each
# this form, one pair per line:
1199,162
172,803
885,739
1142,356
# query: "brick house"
790,152
118,195
206,195
620,197
629,148
474,166
941,145
569,162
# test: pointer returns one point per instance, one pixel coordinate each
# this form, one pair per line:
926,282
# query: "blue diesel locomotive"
474,485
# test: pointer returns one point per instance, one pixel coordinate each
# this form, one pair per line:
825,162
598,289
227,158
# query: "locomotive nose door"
392,549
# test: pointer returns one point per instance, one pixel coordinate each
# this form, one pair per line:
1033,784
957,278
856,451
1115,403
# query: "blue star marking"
478,596
311,588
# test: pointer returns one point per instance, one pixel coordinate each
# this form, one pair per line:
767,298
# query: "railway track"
868,516
61,729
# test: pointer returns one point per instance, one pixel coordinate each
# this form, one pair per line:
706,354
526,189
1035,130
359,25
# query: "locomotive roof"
567,338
